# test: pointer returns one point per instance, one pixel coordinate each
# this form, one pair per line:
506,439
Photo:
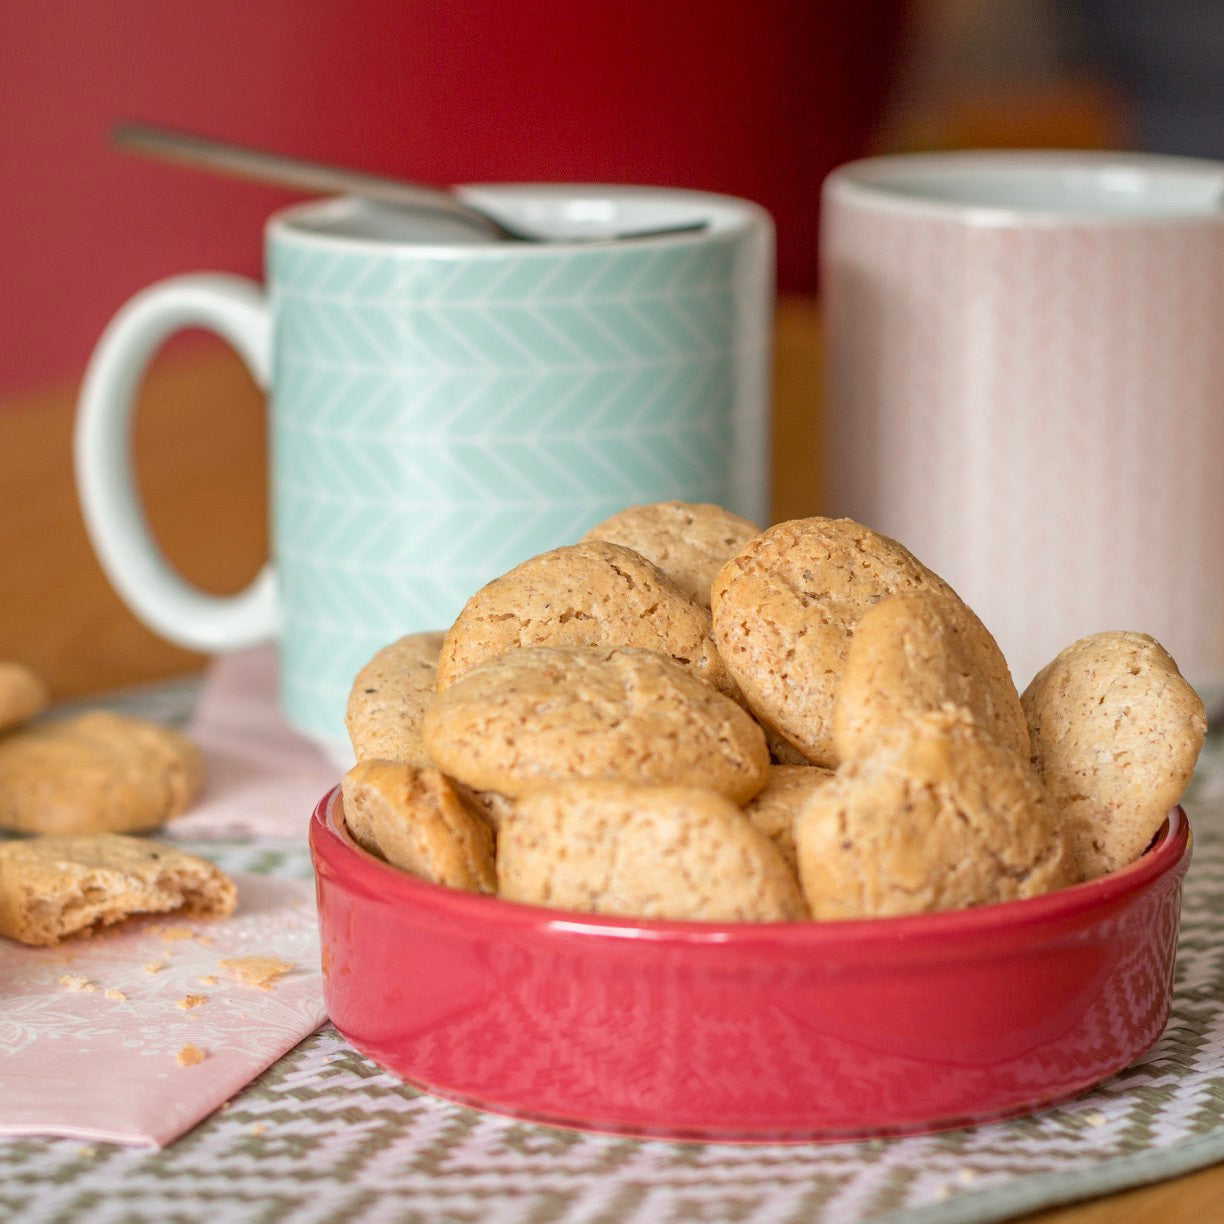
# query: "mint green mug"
443,406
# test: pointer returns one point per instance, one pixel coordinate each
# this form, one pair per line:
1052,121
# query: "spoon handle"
279,169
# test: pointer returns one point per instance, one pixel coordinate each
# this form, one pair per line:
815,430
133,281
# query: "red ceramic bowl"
770,1032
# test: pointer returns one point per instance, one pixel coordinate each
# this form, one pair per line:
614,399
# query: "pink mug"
1026,387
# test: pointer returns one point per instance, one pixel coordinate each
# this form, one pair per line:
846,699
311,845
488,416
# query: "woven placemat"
326,1135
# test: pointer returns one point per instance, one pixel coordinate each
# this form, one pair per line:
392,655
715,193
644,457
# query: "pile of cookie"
682,716
81,790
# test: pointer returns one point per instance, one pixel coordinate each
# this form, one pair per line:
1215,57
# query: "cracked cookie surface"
589,594
784,610
542,714
937,816
682,853
689,541
1116,733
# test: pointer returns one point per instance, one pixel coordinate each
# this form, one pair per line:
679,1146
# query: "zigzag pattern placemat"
325,1135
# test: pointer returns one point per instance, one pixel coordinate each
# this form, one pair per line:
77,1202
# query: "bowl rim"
330,840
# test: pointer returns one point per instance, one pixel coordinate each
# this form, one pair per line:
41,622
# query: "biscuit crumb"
187,1002
87,1153
172,934
1095,1119
75,981
154,966
207,979
189,1055
112,993
258,971
259,1128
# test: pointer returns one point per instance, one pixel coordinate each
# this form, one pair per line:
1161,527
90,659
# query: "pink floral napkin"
263,778
137,1035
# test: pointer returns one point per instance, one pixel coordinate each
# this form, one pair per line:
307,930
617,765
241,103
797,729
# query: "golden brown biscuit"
918,651
1116,734
388,699
410,816
23,694
547,714
689,541
650,852
937,816
98,772
592,594
784,609
773,811
55,887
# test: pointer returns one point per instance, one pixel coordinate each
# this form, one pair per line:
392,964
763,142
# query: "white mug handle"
236,310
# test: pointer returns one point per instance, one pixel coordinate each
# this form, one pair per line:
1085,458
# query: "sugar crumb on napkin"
190,1055
258,971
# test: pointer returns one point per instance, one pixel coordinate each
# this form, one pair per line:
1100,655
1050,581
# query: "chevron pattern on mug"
440,413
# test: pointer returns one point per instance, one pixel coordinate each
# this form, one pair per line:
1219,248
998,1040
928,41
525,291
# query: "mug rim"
731,217
875,182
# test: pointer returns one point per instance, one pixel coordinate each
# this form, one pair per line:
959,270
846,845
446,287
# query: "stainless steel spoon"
281,170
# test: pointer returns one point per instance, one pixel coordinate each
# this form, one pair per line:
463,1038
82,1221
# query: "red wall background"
759,98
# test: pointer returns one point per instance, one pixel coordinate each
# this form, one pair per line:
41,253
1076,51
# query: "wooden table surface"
200,454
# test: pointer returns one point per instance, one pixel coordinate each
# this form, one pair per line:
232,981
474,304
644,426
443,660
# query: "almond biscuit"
915,652
667,852
23,694
774,809
591,594
98,772
388,699
784,610
55,887
1116,733
689,541
546,714
938,816
411,817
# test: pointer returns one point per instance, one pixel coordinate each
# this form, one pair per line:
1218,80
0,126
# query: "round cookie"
22,695
546,714
784,610
591,594
388,699
98,772
937,816
1116,733
774,809
689,541
668,852
55,887
411,817
918,651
